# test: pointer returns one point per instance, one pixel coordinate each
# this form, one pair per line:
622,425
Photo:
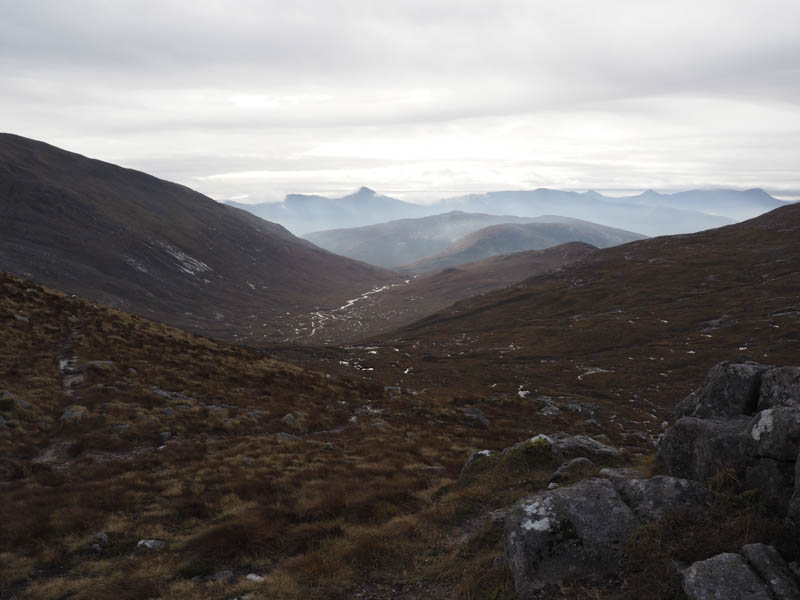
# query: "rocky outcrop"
575,531
744,417
651,499
758,573
699,448
581,530
540,450
730,389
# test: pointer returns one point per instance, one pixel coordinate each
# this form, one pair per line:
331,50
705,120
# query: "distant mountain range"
131,241
458,237
508,238
302,214
649,213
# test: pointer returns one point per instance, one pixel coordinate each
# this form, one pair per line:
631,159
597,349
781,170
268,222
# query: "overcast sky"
416,99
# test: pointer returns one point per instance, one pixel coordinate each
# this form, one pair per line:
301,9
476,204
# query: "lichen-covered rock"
725,576
770,566
698,448
576,531
730,389
780,386
774,433
651,499
574,446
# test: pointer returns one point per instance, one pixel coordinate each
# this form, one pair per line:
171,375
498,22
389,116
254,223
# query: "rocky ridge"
742,422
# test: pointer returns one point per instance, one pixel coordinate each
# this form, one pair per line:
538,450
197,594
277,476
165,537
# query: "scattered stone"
169,411
254,577
287,437
479,461
290,420
74,414
651,499
102,538
100,365
2,422
97,548
620,473
576,466
577,531
151,544
730,389
220,576
550,411
165,435
476,414
769,564
780,386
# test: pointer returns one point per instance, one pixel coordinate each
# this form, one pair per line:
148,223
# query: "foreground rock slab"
724,576
576,531
759,572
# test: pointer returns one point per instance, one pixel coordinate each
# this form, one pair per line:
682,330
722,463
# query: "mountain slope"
403,241
508,238
302,213
129,240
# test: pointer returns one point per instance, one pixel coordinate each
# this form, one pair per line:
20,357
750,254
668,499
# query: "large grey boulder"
770,566
577,531
774,433
651,499
774,480
780,387
725,576
698,448
730,389
794,502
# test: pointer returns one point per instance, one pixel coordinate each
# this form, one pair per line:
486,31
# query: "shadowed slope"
132,241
